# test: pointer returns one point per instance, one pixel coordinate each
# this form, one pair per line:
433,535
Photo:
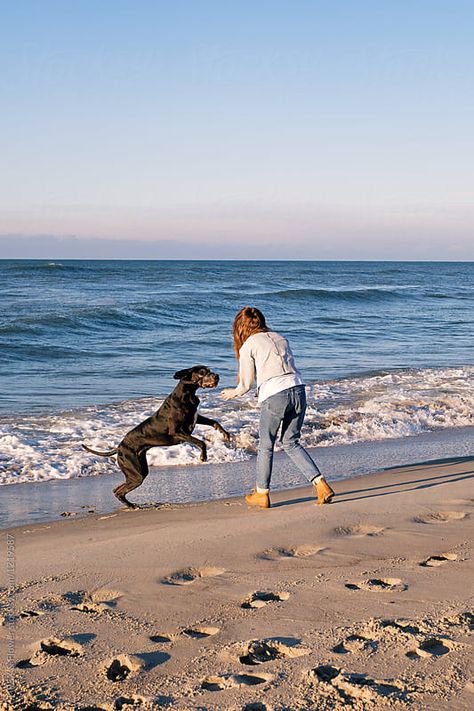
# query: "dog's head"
199,375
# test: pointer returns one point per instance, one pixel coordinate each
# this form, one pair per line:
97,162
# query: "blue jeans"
286,408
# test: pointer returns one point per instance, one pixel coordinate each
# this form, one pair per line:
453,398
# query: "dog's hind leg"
135,468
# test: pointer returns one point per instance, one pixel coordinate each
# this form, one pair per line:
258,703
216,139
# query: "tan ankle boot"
256,499
323,492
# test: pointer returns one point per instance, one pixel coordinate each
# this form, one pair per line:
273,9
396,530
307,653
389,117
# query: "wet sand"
33,503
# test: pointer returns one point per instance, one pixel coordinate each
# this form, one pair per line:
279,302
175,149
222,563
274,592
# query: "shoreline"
367,602
39,502
456,468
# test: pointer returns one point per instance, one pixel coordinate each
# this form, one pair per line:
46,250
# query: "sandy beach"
365,603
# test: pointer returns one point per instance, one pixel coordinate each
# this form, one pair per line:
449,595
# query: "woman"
266,357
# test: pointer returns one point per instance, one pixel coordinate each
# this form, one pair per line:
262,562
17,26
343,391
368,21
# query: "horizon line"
229,259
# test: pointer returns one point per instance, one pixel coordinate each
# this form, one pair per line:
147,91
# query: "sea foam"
377,406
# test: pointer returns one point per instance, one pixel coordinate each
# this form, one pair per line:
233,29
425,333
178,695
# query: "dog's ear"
182,373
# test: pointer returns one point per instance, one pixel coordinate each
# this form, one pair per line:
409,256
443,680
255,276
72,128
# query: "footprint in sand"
359,687
379,585
355,643
464,619
95,602
267,650
440,517
73,597
133,701
359,529
435,561
260,599
164,637
38,697
122,703
405,626
201,632
303,551
198,632
232,681
52,647
432,647
108,597
121,667
190,575
28,614
93,608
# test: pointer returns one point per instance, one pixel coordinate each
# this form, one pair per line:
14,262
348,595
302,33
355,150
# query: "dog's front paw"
203,457
224,433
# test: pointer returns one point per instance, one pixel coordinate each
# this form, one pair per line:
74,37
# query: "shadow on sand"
401,487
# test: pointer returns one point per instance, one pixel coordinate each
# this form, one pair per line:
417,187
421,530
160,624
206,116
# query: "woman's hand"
228,394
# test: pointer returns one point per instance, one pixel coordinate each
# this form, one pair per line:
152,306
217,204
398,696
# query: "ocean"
89,348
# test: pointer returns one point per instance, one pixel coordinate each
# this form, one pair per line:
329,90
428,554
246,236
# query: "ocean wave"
40,265
45,353
73,318
17,329
107,318
355,294
376,406
458,294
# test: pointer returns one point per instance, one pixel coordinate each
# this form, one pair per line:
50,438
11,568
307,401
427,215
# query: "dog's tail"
109,453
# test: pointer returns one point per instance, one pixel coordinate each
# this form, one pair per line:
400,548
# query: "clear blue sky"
306,128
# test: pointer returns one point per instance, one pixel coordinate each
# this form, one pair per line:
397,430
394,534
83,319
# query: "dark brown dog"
172,424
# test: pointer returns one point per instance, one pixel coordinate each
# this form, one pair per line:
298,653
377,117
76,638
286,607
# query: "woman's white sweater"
267,358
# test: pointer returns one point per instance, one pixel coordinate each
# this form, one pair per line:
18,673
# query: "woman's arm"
246,375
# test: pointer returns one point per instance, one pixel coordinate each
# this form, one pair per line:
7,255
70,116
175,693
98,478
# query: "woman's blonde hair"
248,321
